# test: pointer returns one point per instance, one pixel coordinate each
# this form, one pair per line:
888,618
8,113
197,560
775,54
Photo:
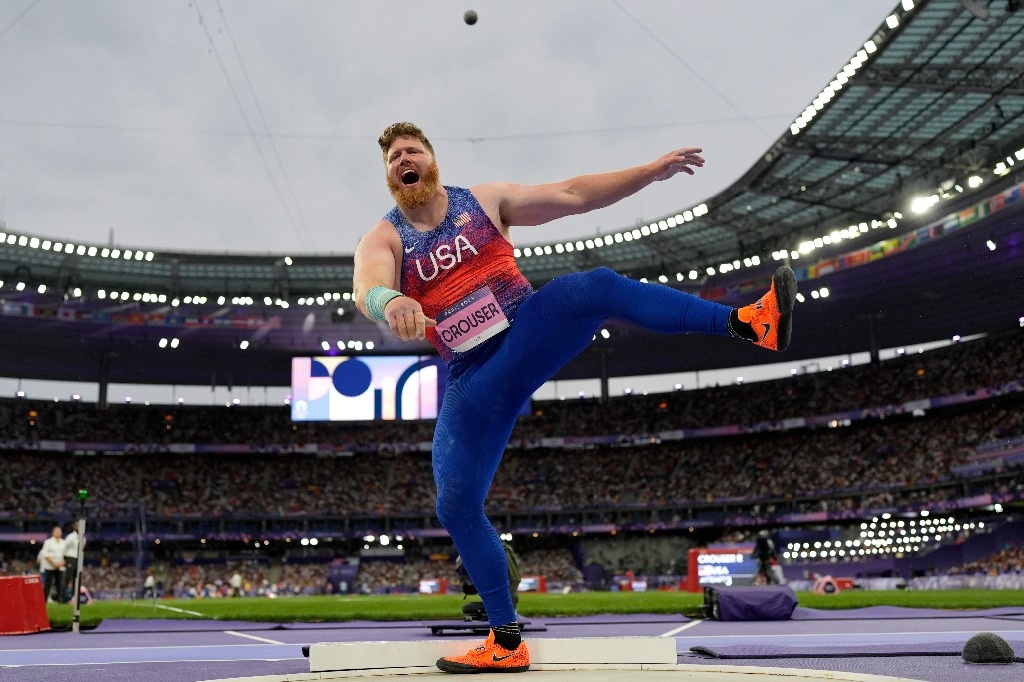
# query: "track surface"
906,643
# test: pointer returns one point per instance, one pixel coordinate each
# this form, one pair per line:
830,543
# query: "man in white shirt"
51,560
71,543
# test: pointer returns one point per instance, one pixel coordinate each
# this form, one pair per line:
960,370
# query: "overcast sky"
247,125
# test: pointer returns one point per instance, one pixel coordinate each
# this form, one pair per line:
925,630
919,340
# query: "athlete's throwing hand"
406,319
678,161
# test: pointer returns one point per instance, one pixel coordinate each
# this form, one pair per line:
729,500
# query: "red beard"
409,198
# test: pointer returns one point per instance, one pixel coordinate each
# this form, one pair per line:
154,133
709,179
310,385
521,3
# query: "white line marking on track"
681,628
258,639
177,610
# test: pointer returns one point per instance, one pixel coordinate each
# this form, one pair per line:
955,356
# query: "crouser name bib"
465,325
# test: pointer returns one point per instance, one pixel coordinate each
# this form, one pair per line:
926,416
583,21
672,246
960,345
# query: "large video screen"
353,388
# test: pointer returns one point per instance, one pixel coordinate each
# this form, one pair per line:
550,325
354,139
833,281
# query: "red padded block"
22,607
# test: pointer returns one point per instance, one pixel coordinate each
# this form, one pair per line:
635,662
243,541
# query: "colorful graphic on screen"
349,388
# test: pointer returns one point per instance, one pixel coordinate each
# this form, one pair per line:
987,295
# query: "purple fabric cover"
897,648
770,602
900,612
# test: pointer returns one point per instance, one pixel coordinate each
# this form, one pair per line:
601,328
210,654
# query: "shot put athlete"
440,266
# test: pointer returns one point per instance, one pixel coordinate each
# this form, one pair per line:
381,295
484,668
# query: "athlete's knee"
602,277
452,510
597,287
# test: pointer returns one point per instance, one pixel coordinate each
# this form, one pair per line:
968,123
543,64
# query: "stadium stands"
934,430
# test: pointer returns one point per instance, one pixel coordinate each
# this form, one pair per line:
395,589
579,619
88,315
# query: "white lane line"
681,628
177,610
258,639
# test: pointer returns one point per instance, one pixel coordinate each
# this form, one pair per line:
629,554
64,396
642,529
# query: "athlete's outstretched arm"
538,204
376,265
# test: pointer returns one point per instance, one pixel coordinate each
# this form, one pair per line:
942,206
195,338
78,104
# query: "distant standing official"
764,552
51,560
71,543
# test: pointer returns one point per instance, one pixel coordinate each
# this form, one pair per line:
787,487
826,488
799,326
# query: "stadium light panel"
922,204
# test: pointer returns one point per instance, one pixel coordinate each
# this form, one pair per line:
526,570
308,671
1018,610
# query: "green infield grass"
531,605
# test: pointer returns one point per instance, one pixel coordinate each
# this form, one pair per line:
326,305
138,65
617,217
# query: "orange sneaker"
772,316
489,657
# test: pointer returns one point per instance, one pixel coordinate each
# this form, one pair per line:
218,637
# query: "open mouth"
410,177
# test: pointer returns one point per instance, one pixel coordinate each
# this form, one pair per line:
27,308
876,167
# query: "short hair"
402,129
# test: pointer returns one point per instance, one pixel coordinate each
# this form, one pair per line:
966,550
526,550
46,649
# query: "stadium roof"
924,121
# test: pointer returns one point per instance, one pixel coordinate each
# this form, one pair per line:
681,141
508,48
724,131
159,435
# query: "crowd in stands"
617,557
641,555
988,362
876,462
880,462
1010,559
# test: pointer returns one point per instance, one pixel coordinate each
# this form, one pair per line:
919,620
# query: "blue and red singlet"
463,273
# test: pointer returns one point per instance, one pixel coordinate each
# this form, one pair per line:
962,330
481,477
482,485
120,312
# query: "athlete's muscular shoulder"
379,253
382,236
491,197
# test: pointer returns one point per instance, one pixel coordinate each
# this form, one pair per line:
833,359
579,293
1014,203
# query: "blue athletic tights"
481,404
